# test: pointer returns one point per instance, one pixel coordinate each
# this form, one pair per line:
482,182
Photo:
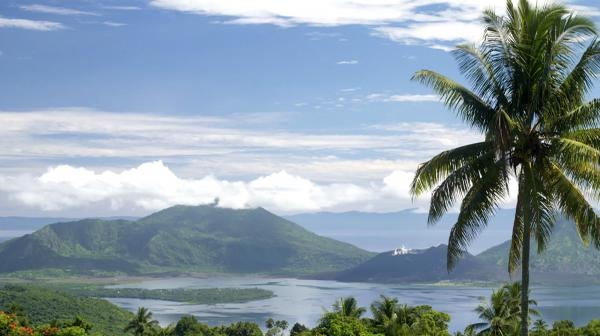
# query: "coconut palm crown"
142,323
529,79
348,306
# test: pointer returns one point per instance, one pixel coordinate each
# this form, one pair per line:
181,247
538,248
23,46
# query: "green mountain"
566,261
181,239
43,306
427,265
566,258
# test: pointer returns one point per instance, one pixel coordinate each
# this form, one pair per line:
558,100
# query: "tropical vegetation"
187,295
142,324
499,316
180,240
38,306
530,77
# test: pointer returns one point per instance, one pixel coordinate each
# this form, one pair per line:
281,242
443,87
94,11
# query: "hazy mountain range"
376,232
186,239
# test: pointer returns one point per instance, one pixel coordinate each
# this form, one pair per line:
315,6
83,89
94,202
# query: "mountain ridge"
181,238
564,262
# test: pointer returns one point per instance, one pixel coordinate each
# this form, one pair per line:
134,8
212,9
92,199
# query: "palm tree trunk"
525,280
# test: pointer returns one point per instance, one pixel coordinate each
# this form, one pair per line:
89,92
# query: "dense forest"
28,310
180,239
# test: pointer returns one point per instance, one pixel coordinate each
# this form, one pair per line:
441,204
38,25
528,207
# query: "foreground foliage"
42,306
499,316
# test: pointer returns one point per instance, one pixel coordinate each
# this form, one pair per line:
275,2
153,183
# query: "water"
304,301
10,234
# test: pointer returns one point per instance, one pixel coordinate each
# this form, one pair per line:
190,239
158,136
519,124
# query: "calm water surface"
305,300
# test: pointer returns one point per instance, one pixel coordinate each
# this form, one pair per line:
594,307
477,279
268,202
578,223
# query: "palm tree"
142,323
498,318
530,76
540,327
502,314
385,312
348,307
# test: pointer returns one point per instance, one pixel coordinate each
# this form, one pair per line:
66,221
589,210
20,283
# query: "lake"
305,300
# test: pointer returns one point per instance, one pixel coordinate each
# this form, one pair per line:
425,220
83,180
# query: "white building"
401,251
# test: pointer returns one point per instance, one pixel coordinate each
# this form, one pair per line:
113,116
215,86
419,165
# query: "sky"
127,107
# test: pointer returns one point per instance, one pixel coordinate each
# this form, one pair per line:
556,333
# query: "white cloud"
349,62
381,97
124,8
398,184
30,24
586,10
334,171
285,13
433,33
439,24
446,136
113,24
55,10
130,135
153,186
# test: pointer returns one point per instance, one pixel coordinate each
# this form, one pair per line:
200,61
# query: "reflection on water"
305,300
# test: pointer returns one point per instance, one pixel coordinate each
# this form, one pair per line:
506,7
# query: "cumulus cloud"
153,186
30,24
286,171
438,24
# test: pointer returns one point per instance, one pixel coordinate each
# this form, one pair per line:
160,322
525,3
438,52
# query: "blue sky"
125,107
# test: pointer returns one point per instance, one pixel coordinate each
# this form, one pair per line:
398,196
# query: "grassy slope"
565,254
43,306
182,239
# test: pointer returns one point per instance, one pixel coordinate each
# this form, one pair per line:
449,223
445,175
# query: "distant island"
211,240
180,239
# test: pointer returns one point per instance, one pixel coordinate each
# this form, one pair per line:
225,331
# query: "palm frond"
457,184
470,107
574,152
582,117
575,206
580,79
480,202
430,173
476,66
590,137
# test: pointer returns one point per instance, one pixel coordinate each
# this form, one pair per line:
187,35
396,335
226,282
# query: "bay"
304,301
